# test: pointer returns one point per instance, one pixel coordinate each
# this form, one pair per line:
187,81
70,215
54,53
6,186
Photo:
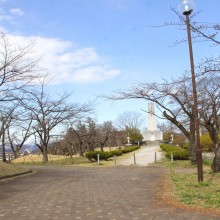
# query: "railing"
9,156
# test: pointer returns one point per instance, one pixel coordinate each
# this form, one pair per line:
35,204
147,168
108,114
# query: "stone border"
16,174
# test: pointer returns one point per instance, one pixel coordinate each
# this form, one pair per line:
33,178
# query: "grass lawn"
10,169
205,194
36,159
182,186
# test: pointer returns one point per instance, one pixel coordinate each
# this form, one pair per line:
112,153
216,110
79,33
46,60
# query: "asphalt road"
88,193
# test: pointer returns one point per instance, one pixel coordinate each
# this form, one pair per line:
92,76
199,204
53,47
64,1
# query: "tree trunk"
15,151
192,148
16,155
3,154
45,155
3,148
101,147
189,134
81,149
216,162
213,133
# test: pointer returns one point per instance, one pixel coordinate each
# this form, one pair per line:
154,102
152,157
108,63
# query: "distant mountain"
26,147
29,148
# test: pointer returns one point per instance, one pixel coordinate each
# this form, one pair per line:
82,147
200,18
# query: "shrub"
129,149
207,162
103,155
167,147
116,152
125,150
179,154
186,146
206,143
93,155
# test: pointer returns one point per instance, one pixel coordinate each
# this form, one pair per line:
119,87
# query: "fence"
9,156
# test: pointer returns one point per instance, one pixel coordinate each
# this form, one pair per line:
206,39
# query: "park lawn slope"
182,189
10,169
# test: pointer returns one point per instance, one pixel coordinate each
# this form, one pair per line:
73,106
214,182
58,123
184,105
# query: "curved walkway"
89,193
143,157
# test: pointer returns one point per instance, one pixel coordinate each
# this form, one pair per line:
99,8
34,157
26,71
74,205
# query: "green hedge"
129,149
178,152
93,155
167,147
116,152
104,155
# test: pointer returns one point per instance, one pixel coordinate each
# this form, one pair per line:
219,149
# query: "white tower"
152,133
152,123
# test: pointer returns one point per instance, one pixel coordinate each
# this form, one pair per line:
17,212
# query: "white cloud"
16,11
9,16
66,63
94,74
4,16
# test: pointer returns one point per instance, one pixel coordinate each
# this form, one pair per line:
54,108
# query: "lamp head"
186,6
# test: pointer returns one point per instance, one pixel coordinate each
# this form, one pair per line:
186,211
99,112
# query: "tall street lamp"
186,8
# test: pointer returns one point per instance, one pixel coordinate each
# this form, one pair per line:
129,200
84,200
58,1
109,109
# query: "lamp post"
186,8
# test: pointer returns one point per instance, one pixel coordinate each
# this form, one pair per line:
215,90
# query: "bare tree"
75,137
16,68
174,102
90,140
6,115
104,132
210,112
201,31
129,119
19,130
49,113
86,135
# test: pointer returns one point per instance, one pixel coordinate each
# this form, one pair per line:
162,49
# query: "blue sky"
94,47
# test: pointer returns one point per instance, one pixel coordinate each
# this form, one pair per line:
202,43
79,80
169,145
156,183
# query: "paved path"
85,193
143,157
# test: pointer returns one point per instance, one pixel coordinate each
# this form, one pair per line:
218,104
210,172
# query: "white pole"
115,159
171,156
98,159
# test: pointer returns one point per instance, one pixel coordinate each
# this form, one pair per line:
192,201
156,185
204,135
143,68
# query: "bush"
206,143
93,155
116,152
129,149
167,147
186,146
103,155
179,154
